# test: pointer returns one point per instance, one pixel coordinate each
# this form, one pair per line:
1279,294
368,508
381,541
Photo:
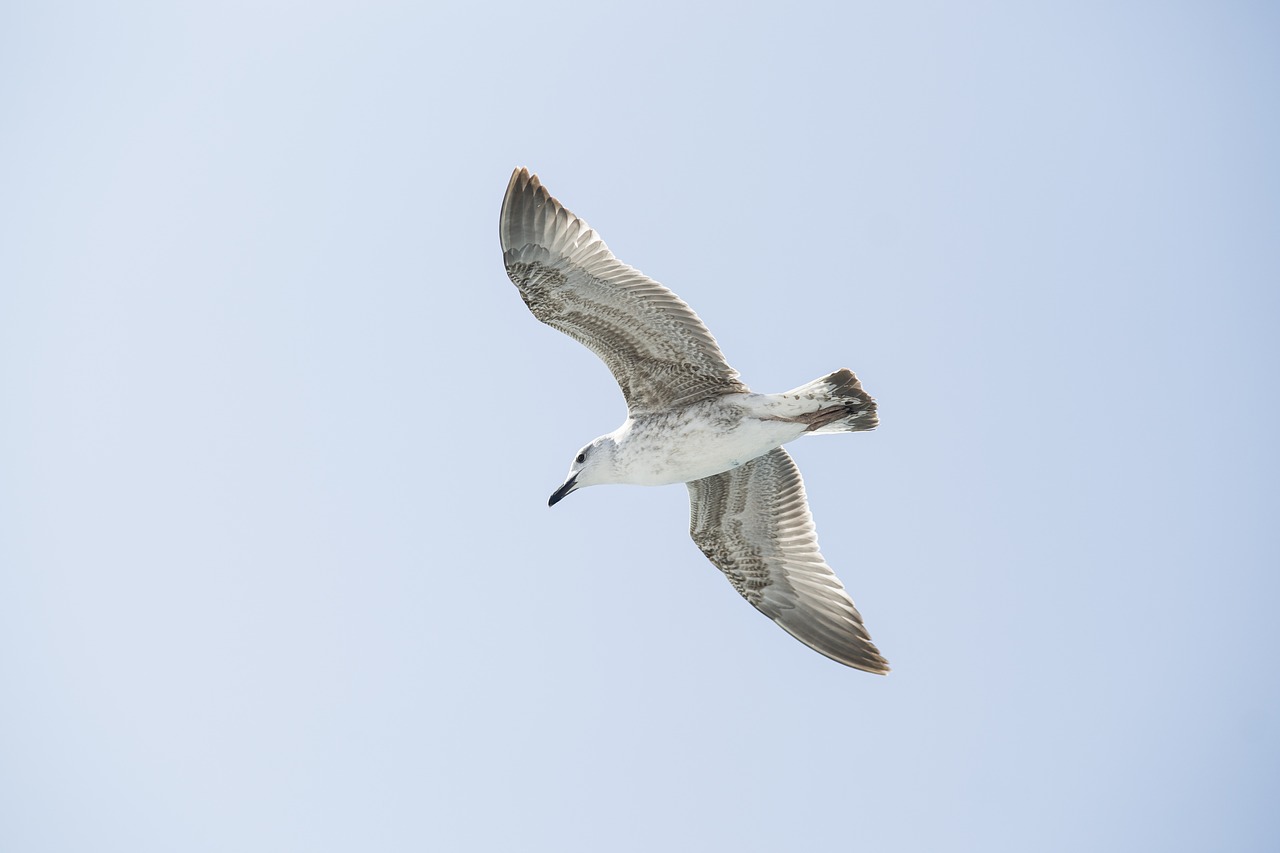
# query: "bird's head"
593,465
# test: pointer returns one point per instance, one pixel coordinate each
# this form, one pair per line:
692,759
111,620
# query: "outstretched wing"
753,523
659,351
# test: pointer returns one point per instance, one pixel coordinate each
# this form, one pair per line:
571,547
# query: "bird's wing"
659,351
753,523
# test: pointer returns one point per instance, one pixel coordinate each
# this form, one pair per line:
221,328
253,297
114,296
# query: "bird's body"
691,420
709,437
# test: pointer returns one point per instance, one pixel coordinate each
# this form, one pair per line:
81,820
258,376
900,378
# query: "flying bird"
691,420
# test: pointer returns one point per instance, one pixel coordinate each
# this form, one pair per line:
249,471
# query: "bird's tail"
851,409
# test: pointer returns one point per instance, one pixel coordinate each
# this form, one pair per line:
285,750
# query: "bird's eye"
582,457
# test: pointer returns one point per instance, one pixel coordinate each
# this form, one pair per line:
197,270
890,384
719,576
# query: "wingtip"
521,178
521,175
869,660
524,197
875,665
851,648
872,661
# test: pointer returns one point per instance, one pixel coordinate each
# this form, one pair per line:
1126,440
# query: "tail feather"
851,409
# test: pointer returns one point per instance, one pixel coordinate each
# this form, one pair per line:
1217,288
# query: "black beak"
560,493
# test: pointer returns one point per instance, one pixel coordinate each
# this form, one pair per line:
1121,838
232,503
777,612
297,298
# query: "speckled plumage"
691,420
753,523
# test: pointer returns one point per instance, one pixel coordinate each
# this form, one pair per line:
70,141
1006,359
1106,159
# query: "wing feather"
754,524
662,355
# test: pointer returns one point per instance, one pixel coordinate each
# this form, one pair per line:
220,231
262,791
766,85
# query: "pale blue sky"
276,566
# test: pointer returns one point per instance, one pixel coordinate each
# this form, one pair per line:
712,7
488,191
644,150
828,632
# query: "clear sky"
277,433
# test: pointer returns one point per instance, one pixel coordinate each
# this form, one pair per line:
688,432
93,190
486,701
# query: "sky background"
277,433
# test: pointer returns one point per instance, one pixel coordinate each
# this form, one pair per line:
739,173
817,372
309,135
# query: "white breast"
700,441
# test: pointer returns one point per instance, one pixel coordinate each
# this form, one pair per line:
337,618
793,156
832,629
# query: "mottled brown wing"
659,351
753,523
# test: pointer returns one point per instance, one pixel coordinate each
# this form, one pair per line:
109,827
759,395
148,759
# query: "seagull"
691,420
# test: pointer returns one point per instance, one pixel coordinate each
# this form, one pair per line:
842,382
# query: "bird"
690,419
